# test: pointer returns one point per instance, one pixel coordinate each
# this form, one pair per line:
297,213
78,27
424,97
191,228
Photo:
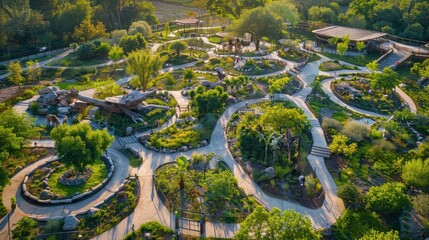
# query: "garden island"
201,119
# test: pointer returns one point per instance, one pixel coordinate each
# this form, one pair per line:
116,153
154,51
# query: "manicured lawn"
360,61
215,39
99,173
82,86
179,60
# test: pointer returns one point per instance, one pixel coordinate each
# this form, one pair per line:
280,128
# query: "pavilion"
188,22
355,35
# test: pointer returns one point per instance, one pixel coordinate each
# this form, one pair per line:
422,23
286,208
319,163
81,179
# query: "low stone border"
33,199
83,213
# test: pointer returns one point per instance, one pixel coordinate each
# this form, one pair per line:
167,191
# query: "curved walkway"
25,208
150,207
43,63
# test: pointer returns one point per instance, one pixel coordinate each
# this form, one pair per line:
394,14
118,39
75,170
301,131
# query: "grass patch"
313,58
174,137
179,60
82,85
135,161
360,61
73,60
215,39
99,173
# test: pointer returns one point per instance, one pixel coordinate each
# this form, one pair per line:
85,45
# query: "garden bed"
255,67
212,191
358,93
335,66
42,185
251,142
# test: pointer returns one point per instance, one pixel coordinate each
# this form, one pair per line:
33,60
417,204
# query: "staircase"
124,141
321,151
391,59
314,122
324,152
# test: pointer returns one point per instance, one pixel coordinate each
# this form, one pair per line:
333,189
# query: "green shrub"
34,106
156,230
86,51
24,228
28,94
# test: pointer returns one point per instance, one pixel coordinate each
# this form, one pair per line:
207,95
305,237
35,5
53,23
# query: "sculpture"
121,104
52,120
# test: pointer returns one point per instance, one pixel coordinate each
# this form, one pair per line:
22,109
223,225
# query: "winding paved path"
25,208
150,207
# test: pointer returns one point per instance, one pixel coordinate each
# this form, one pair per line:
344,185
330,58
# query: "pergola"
355,34
188,22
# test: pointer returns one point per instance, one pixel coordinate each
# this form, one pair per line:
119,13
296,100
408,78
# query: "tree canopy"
145,65
259,22
275,225
388,198
79,145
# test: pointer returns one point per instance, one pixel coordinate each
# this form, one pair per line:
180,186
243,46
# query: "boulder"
50,99
144,137
198,127
64,110
128,131
180,121
61,92
45,90
64,103
46,194
232,100
92,211
249,87
183,148
269,172
203,143
70,223
191,119
42,111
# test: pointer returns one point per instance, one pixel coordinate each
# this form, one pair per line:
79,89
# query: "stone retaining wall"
33,199
83,213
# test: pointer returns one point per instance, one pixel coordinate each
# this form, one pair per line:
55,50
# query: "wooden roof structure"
355,34
187,21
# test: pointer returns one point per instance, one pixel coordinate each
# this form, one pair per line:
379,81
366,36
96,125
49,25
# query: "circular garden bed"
358,93
213,192
54,183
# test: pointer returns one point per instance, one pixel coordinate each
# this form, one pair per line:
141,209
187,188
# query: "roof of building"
187,21
355,34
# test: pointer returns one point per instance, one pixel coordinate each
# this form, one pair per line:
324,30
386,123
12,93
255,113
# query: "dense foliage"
79,145
276,225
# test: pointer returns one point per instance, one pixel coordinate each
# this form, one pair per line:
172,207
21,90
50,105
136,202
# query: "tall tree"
386,80
79,145
15,73
275,225
145,66
259,22
232,8
33,70
68,16
178,46
87,31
